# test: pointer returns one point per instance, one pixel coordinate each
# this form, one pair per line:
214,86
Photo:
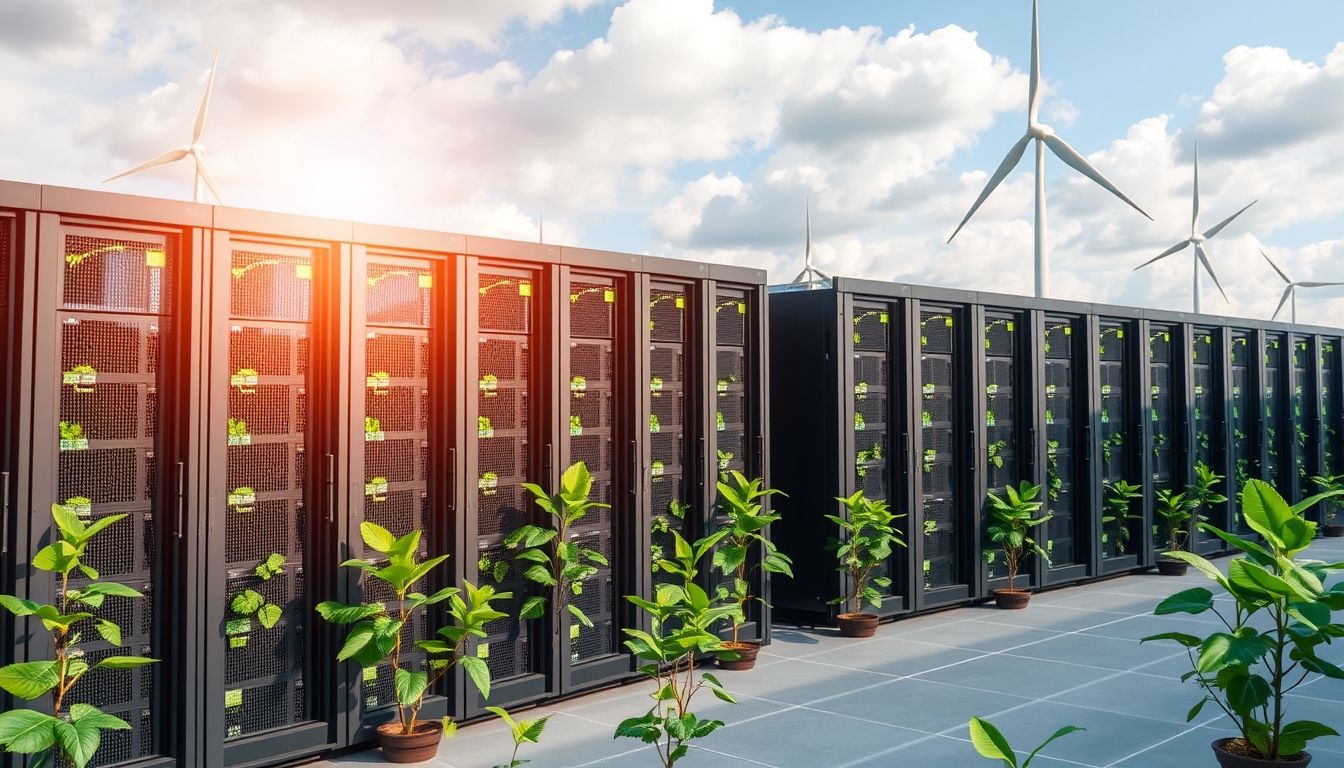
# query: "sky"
701,129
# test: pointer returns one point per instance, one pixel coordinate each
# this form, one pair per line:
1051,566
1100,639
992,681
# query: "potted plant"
868,537
1119,498
75,731
1201,492
680,620
523,732
739,500
1329,484
375,636
1278,615
1011,520
557,563
1175,510
990,743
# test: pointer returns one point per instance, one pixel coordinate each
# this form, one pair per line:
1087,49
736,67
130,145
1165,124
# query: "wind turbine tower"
1291,291
195,150
1197,241
1044,136
811,277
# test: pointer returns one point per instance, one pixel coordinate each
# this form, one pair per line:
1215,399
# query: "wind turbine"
195,150
1291,291
1044,136
811,276
1197,240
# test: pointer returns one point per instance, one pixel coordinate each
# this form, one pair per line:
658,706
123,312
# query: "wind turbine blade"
1070,156
1177,248
1316,285
170,156
1219,226
1286,293
1194,218
1034,103
1006,167
1204,259
204,170
807,254
1286,279
205,102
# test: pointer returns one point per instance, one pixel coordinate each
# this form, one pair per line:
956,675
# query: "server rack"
960,393
253,386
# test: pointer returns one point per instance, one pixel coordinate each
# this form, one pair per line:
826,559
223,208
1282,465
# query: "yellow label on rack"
156,258
1010,326
233,698
681,302
303,271
370,674
483,651
882,318
609,296
741,308
1068,331
426,281
524,289
574,632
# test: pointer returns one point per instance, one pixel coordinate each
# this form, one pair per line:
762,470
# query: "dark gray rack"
355,364
930,397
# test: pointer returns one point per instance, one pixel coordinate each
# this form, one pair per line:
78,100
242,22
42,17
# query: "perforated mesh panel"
105,465
872,328
1001,445
501,445
589,413
731,386
265,510
1206,409
1330,407
1276,436
667,448
1301,397
1115,421
938,461
1243,441
1061,496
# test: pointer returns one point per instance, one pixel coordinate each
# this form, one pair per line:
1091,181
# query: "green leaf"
580,615
1221,649
1195,600
1189,641
533,608
79,739
530,730
1065,731
124,662
18,606
339,613
479,672
269,615
356,640
1246,693
1194,711
94,716
29,680
27,731
1294,736
410,686
247,602
109,631
990,743
57,557
378,538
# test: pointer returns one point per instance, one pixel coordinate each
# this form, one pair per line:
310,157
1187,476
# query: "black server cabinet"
1067,430
673,478
1332,386
1244,448
274,475
1302,416
1163,454
1008,414
1121,390
108,438
1277,372
402,437
1205,437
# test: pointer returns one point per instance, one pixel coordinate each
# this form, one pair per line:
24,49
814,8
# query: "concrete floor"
905,696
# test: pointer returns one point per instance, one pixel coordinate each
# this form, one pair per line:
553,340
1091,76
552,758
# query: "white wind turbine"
1044,136
811,276
1291,291
1197,240
195,150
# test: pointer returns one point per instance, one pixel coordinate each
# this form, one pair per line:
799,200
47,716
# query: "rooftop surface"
904,697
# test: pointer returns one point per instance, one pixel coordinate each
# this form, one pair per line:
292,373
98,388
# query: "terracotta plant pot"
410,748
857,624
1332,531
1231,760
746,656
1012,599
1168,567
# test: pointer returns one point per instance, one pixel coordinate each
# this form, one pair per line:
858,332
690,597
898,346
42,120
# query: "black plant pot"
1168,567
1229,760
1332,531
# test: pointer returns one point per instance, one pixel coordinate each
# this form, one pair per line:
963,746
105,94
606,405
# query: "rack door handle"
4,513
905,454
700,461
181,495
331,487
635,479
452,479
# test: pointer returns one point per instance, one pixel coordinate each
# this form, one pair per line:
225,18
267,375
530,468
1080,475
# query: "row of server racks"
930,398
250,387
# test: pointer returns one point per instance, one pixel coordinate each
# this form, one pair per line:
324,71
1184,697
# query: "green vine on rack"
272,566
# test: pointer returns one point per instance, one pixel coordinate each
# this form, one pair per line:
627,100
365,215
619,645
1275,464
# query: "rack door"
1119,437
275,511
1004,406
1065,464
943,534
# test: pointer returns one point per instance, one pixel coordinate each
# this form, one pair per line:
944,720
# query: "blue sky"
696,128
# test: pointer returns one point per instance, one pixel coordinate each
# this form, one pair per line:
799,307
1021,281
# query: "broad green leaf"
79,740
356,639
269,615
378,538
94,716
247,602
1195,600
479,672
1265,511
109,631
533,608
339,613
1189,641
1294,736
990,743
57,557
124,662
580,615
31,679
1221,649
530,730
18,606
1065,731
27,731
1247,692
410,686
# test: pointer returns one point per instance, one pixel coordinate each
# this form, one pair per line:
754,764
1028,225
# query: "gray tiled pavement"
904,697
